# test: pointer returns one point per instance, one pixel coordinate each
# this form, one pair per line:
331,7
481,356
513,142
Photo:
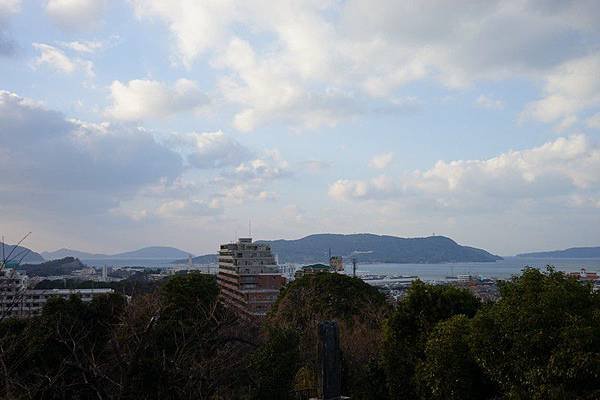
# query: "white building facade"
18,300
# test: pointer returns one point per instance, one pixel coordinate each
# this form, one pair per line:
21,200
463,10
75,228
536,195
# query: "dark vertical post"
331,363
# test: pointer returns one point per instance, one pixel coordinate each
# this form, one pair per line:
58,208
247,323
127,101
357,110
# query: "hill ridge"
370,247
30,257
571,252
148,252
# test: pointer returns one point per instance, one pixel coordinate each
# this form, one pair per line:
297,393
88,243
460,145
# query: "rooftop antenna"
249,228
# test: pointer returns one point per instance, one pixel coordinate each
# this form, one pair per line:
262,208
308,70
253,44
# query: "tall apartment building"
18,300
248,277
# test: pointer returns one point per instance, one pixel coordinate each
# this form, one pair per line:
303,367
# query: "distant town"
248,274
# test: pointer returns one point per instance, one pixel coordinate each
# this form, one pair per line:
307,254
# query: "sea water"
501,269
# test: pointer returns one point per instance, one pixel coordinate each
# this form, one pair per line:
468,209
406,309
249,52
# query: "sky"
126,124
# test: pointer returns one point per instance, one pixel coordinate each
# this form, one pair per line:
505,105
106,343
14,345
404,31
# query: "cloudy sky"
157,122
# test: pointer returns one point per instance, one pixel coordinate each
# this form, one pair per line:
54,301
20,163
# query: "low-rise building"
312,269
18,300
584,275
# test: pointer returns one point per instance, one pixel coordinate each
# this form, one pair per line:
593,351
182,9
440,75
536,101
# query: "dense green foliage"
64,266
274,365
174,343
449,370
407,330
321,296
541,340
53,355
360,310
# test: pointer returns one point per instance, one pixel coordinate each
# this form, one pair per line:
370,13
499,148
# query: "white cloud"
270,166
210,149
268,91
381,161
564,167
293,213
84,46
188,208
250,180
8,7
63,167
196,25
52,162
76,14
566,123
146,99
244,192
59,61
488,102
570,88
594,121
314,166
344,189
314,56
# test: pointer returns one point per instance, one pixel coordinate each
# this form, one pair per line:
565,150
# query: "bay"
501,269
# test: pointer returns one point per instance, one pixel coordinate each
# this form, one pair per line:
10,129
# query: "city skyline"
147,122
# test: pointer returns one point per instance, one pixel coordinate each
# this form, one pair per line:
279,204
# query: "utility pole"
354,267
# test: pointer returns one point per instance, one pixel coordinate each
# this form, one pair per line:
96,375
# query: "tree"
62,353
360,310
192,292
180,343
448,370
175,343
274,365
541,340
407,330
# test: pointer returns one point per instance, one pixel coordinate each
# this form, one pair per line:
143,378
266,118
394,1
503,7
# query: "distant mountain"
158,252
62,253
63,266
573,252
375,248
153,252
21,253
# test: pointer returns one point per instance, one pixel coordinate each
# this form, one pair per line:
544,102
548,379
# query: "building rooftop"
317,267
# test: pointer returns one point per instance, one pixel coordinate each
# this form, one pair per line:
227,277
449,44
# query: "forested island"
370,248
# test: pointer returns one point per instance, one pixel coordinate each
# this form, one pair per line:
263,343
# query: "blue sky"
155,122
